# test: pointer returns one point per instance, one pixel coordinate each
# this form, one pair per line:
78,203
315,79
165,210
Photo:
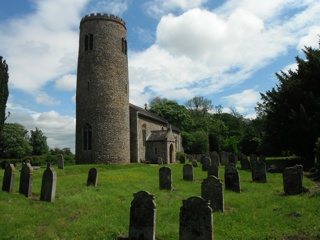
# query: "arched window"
124,46
87,137
144,135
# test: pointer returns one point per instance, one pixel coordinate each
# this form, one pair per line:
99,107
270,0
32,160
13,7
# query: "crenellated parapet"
104,16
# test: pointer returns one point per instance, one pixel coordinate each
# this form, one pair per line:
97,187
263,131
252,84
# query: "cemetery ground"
260,211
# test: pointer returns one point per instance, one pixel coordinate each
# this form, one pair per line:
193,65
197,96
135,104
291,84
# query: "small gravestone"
60,161
160,161
194,163
8,178
206,162
92,177
142,216
165,178
188,174
26,174
212,190
232,178
253,159
213,170
196,221
198,157
259,172
292,180
223,158
215,159
48,186
232,158
183,159
245,164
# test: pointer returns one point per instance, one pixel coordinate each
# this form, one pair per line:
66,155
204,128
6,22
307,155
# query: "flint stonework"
8,178
92,177
165,178
26,174
48,187
212,190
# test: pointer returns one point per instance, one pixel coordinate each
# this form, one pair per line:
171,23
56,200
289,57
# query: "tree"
158,100
14,141
4,92
38,142
292,109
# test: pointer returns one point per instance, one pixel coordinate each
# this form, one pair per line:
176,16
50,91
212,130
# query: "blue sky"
225,50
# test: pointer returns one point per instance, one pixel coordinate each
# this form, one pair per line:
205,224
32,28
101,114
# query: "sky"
227,51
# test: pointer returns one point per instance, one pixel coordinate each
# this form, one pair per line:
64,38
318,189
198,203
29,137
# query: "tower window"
155,150
144,135
88,42
124,46
87,137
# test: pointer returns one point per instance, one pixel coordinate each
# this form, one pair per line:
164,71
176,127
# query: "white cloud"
67,82
248,97
293,67
43,98
311,39
117,7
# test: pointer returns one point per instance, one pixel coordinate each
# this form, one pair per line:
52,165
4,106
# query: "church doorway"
171,153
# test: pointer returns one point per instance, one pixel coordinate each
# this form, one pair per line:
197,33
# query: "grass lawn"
260,211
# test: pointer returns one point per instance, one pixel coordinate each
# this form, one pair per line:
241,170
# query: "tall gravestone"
60,161
26,174
142,217
292,180
196,221
8,178
48,186
245,164
213,170
259,172
253,159
223,158
165,178
188,173
232,178
212,190
206,162
232,158
92,177
215,159
183,159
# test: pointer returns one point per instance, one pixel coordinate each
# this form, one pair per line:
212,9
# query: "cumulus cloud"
246,98
66,82
117,7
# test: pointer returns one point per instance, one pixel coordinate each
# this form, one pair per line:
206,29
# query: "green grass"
260,211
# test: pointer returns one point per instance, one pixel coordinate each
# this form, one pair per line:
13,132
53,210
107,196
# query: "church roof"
152,116
160,135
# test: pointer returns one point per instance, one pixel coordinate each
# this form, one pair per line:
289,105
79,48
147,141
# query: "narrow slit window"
86,42
87,137
91,41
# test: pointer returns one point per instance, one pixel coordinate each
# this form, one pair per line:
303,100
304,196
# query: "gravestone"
8,178
183,159
196,221
60,161
198,157
253,159
142,216
232,158
212,190
194,163
206,162
245,164
262,158
223,157
92,177
259,172
160,161
232,178
165,178
26,174
213,170
215,159
188,174
292,180
48,187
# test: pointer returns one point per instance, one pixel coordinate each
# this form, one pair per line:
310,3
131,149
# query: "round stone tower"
102,100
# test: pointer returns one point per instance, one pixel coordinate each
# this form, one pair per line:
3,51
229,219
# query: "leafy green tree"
201,144
14,141
158,100
4,91
292,109
38,142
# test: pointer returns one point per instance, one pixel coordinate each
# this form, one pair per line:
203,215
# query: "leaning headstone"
223,158
160,161
206,162
215,159
245,164
259,172
165,178
213,170
26,174
183,159
48,187
188,174
92,177
196,221
232,178
292,180
60,161
194,163
142,216
212,190
8,178
232,158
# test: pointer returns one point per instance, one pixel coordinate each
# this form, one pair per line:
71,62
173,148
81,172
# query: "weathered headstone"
60,161
253,158
232,178
183,159
259,172
232,158
223,157
206,162
212,190
213,170
92,177
215,159
165,178
48,187
142,216
292,180
188,174
245,164
196,221
26,174
160,161
194,163
8,178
